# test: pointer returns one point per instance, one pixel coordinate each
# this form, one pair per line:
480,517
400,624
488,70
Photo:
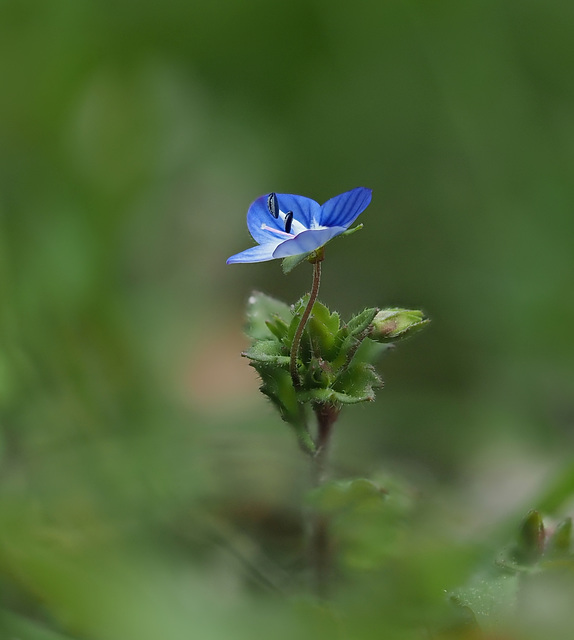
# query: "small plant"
309,360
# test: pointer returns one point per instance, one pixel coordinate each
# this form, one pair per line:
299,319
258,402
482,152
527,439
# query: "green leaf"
267,351
322,339
277,326
355,384
17,626
278,387
344,348
370,351
359,382
295,313
323,328
489,596
324,315
298,308
348,396
260,309
366,520
342,494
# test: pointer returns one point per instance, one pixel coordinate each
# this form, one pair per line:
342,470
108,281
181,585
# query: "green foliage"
334,361
16,626
266,351
538,554
132,141
263,313
332,367
366,519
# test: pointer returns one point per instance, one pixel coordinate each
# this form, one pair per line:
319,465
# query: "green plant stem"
303,322
319,543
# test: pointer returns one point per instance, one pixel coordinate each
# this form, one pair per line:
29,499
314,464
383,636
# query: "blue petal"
260,253
259,214
342,210
305,210
306,241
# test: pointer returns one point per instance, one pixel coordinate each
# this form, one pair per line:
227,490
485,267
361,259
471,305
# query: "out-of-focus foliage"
146,491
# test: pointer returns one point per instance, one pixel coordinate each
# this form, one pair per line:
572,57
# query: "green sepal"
357,324
289,263
268,351
350,232
260,308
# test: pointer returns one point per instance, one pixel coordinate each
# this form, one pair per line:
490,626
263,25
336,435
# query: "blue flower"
285,225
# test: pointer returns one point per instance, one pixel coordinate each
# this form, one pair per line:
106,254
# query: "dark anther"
288,221
273,205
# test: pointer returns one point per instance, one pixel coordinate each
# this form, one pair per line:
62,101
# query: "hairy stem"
303,322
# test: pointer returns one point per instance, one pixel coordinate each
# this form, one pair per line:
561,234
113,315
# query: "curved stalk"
302,323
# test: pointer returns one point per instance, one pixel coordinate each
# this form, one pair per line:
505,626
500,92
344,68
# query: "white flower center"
296,226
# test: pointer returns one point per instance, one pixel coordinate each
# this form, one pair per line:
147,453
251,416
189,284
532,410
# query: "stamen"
266,227
288,221
273,205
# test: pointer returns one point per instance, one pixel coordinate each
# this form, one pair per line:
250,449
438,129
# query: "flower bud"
391,325
561,540
531,536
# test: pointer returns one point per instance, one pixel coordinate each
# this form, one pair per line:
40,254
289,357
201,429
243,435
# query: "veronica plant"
305,355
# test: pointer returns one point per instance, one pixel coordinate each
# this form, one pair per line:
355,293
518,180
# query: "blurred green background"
147,490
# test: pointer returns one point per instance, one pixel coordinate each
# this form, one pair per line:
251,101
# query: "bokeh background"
146,489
